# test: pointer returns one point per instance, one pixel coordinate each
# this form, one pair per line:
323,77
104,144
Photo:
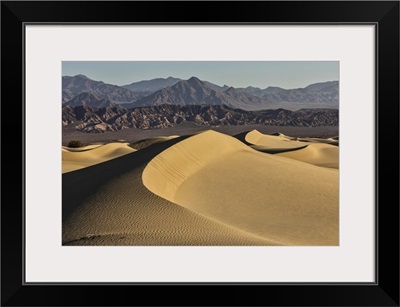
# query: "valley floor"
133,135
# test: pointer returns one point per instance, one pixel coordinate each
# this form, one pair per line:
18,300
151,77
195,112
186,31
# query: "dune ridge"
83,148
277,198
78,158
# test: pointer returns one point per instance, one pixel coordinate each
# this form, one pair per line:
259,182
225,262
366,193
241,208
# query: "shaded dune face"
151,141
78,158
276,198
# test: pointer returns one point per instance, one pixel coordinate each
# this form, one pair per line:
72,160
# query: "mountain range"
197,92
92,119
79,84
79,90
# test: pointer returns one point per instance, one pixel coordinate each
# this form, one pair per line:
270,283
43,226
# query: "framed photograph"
240,146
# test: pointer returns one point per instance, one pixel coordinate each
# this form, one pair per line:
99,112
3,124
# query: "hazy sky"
237,74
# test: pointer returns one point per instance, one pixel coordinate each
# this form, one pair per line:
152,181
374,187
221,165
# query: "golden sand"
277,198
271,141
317,153
78,158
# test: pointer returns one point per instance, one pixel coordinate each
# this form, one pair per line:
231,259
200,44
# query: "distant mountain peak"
151,86
196,83
194,80
252,88
80,87
196,92
322,85
274,88
81,76
232,91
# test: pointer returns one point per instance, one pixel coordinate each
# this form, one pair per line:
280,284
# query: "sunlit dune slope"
277,198
316,153
272,143
75,159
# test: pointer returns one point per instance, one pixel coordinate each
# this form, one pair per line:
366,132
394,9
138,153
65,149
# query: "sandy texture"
272,143
319,154
280,199
107,204
77,158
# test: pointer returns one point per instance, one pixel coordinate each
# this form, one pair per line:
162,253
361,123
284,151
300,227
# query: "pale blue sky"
237,74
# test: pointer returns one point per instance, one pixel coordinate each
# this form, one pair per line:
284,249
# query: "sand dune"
292,138
319,140
208,189
83,148
77,158
150,141
272,150
280,199
107,204
316,153
272,143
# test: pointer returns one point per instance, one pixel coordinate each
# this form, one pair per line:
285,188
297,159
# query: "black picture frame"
383,14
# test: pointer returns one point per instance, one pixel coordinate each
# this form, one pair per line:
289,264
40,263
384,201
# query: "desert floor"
226,187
